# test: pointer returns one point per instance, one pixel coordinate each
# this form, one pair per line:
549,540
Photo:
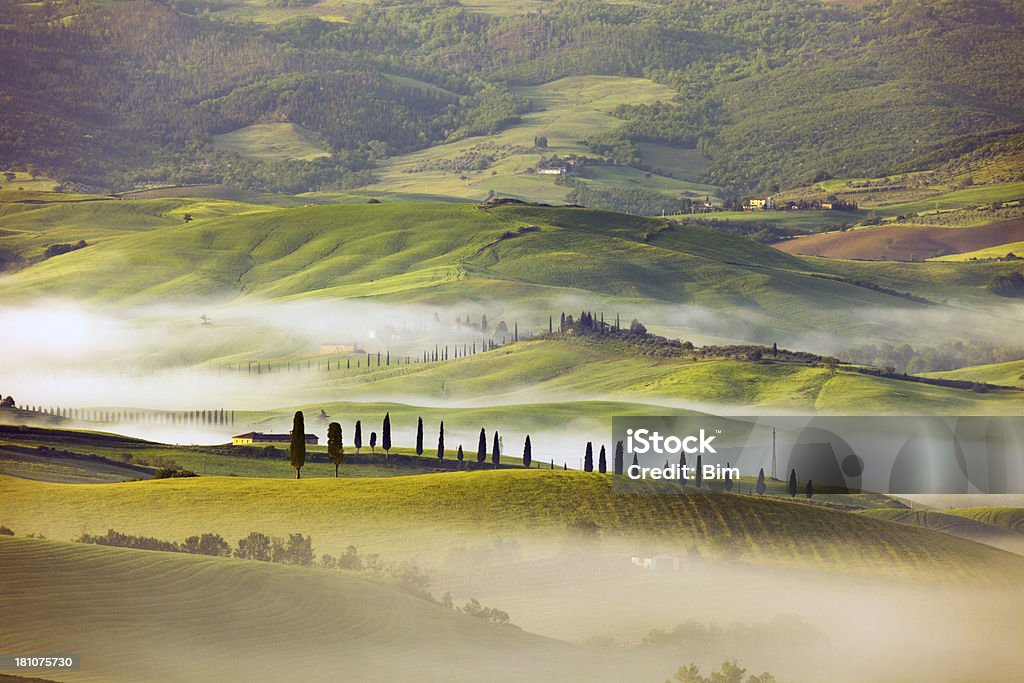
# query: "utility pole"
774,475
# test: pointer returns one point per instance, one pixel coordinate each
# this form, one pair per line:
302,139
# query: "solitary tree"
298,445
761,487
335,449
792,483
373,442
682,468
440,441
617,465
636,462
419,436
810,490
588,459
359,436
698,476
481,449
728,478
385,435
496,451
527,453
602,462
461,455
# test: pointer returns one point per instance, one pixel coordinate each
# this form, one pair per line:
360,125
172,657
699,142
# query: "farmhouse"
554,170
250,438
337,348
760,204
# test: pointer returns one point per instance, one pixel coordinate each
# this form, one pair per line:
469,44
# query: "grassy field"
1008,374
990,253
272,141
520,373
428,514
565,111
24,182
441,253
957,199
540,505
230,619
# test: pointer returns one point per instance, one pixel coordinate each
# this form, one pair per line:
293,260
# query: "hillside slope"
419,516
141,615
443,253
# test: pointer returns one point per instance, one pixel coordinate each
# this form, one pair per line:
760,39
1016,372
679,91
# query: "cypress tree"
440,441
527,453
496,451
481,449
761,487
297,449
419,436
588,459
698,476
385,435
728,478
682,470
335,449
461,455
635,461
373,443
602,463
617,466
810,489
359,436
792,483
564,466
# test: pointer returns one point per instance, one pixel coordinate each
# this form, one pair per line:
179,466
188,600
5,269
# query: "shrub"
6,531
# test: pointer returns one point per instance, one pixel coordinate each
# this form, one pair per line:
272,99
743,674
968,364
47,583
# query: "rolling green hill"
142,615
409,515
1008,374
531,371
442,253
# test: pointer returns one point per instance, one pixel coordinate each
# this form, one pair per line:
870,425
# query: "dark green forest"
117,94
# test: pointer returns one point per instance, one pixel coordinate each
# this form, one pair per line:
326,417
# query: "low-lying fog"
259,356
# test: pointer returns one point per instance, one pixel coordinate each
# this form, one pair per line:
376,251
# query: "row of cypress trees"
336,452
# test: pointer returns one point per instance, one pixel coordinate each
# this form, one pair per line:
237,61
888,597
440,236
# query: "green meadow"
565,112
535,506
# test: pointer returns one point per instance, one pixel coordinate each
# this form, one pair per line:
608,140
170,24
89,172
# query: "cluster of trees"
940,357
636,201
730,672
1011,285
